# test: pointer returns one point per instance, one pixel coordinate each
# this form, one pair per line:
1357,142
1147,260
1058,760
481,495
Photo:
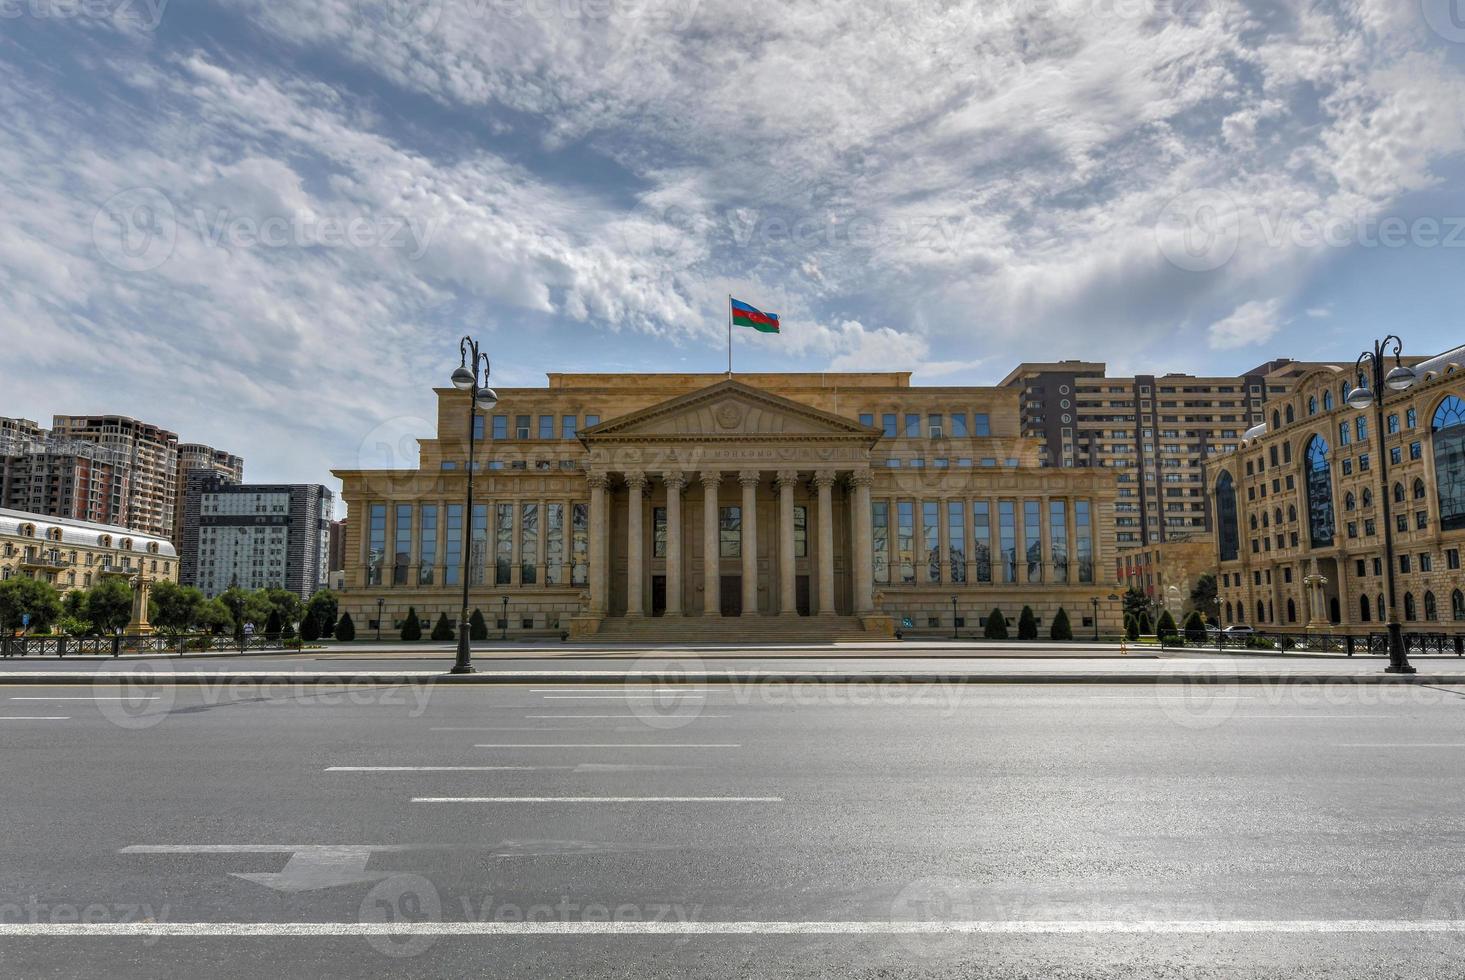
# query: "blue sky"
265,223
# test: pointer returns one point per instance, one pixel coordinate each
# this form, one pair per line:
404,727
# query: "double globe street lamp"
1397,378
471,376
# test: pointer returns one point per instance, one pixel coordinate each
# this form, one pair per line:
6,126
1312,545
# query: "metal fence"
116,645
1348,644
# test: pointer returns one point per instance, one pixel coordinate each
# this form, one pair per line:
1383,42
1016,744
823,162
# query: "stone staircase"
752,629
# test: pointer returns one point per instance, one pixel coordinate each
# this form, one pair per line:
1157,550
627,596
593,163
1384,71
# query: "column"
864,545
749,480
635,487
824,483
674,483
711,550
788,602
598,543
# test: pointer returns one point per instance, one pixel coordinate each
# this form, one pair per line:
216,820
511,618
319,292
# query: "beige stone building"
77,554
693,505
1301,506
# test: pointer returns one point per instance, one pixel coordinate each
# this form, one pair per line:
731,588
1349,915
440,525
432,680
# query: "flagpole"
729,335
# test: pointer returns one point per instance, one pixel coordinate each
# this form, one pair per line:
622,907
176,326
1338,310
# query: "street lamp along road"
954,635
505,620
379,604
1399,378
471,376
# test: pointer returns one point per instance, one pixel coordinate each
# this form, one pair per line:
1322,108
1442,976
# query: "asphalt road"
1089,831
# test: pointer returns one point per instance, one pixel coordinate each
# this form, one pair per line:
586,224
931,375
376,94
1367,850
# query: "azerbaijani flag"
744,315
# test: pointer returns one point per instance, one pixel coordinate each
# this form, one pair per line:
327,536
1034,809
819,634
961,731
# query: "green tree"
273,625
309,628
1203,597
1145,626
1061,628
1135,602
24,596
1027,624
1131,627
411,628
214,616
996,626
235,600
345,629
443,630
175,608
285,603
109,605
324,606
477,628
1165,628
1195,628
73,603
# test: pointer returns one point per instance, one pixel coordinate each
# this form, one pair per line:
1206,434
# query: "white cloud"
1249,324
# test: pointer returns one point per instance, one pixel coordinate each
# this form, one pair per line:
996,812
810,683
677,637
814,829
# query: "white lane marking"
35,718
439,768
606,745
699,717
597,799
613,697
1171,697
1401,745
641,689
713,928
97,697
1349,717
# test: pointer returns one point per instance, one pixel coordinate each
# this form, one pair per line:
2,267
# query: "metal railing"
162,644
1348,644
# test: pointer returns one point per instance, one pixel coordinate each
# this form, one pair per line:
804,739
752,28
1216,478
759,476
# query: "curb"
386,679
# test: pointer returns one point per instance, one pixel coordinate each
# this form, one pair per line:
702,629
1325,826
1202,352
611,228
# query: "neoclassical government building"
1301,506
686,506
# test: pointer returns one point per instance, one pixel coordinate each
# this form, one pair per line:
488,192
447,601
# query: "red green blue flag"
744,315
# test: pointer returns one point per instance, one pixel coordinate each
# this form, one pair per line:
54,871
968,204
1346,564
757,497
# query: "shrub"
1131,627
272,625
345,629
1259,643
1166,626
309,629
996,628
1195,629
477,628
1061,628
1146,627
411,628
444,629
1027,624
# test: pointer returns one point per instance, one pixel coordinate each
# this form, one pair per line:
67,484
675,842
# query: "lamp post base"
464,662
1400,669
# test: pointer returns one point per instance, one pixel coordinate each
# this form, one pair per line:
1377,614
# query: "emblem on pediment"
728,415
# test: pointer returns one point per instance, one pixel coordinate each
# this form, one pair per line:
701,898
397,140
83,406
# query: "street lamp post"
505,619
1398,378
1095,601
379,604
471,376
954,635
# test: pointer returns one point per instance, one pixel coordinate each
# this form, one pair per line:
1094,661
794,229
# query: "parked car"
1240,630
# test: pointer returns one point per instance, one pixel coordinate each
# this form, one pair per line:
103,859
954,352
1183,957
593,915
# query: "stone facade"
827,502
1302,504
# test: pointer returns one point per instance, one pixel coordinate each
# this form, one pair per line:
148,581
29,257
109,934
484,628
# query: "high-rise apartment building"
1155,430
203,460
150,451
258,536
43,474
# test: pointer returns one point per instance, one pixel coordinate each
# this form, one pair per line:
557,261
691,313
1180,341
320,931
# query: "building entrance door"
801,594
658,595
732,595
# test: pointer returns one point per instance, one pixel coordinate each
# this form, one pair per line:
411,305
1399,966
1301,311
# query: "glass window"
658,532
453,546
477,427
1393,423
546,426
1230,533
528,544
1360,428
958,425
980,426
1007,535
554,544
730,532
1058,538
591,421
912,425
580,544
931,538
1032,532
867,419
880,539
1344,434
1319,493
403,550
801,531
376,543
1083,540
568,428
956,540
905,542
982,540
934,427
887,425
500,426
521,426
503,544
427,545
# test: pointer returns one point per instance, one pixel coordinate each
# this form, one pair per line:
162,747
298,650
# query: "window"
1411,612
658,532
982,540
980,424
905,541
1448,437
554,544
477,427
1344,434
591,421
1083,541
1416,450
1319,493
403,550
958,425
887,425
867,419
500,426
568,428
1226,517
1411,418
1457,605
1405,563
956,540
880,540
1393,423
453,546
1396,455
931,538
1058,538
1327,401
1360,428
503,560
521,426
912,425
580,544
934,429
730,532
801,531
1452,559
1007,535
1426,562
376,543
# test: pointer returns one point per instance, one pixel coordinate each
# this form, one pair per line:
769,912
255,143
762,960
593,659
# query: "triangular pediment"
729,410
